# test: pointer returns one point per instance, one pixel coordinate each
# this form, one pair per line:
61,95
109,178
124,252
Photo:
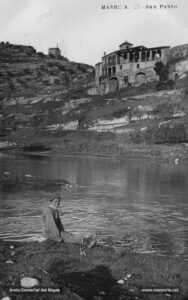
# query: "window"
114,60
125,56
153,54
136,56
138,66
148,55
143,56
159,52
131,57
126,79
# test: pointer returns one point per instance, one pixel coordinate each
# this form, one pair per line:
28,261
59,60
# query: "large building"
128,65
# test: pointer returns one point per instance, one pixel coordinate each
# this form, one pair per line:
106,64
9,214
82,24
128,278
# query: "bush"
50,64
81,68
27,71
135,137
41,54
71,71
8,183
165,109
51,72
62,68
46,82
175,134
37,146
120,113
38,74
10,74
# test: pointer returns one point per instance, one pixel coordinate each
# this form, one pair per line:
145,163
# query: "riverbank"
70,144
139,122
88,143
15,183
98,273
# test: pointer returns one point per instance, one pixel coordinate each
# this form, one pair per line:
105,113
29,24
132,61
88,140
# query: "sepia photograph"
93,150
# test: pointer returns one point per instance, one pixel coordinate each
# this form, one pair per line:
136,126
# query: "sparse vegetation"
25,61
36,146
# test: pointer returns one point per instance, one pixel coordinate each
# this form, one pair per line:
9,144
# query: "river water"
131,203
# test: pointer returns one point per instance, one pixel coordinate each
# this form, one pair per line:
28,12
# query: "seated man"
53,228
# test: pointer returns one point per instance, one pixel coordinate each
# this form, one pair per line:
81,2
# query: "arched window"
125,56
159,52
136,56
148,55
153,54
143,56
131,57
114,60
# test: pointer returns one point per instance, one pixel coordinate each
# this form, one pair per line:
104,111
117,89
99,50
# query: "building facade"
128,66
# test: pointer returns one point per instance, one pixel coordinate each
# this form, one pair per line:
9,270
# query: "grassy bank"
92,275
96,144
14,183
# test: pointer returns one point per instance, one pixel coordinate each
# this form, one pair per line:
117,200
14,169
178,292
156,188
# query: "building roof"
160,47
54,48
116,51
126,43
137,48
133,49
99,63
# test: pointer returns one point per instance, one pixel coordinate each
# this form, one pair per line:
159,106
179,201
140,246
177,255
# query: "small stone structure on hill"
56,52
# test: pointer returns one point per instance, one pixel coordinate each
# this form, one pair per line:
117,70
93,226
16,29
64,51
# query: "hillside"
63,118
25,72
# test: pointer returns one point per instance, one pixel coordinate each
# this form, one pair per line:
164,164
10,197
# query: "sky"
84,31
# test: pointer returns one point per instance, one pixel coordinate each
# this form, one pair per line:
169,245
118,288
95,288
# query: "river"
132,203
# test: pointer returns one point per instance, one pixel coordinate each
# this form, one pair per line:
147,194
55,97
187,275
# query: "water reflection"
133,203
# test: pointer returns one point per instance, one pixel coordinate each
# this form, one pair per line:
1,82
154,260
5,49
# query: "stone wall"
109,125
179,51
181,67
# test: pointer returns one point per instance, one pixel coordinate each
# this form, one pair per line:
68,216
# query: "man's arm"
59,223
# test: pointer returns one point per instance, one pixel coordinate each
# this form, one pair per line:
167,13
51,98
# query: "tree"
162,71
41,54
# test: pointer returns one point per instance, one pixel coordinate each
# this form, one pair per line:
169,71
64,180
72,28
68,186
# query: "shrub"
41,54
120,113
27,71
36,146
62,68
